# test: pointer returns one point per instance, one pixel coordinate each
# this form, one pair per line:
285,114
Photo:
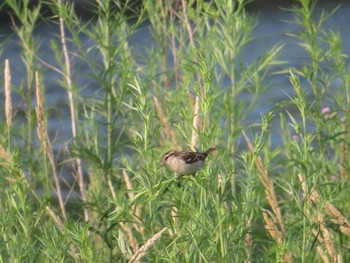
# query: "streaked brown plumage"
185,162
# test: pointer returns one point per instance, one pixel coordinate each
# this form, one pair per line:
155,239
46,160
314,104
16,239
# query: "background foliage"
100,196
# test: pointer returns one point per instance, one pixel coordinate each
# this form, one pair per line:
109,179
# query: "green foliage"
144,105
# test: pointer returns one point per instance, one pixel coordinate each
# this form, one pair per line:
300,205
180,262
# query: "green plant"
255,201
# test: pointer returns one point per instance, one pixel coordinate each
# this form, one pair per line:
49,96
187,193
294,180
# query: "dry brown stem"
172,16
268,186
42,134
338,219
195,123
273,221
111,188
8,100
131,195
315,215
132,241
41,130
322,254
276,234
168,130
72,108
128,229
143,250
271,227
327,241
4,155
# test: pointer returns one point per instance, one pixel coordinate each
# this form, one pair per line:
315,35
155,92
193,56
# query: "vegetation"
253,202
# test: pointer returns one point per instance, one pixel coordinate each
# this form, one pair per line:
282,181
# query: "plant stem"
72,108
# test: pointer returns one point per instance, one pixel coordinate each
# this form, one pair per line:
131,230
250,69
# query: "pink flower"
325,112
333,178
295,138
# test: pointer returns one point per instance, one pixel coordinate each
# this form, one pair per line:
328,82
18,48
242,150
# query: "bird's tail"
211,149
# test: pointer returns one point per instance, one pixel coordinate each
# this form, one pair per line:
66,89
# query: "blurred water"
271,29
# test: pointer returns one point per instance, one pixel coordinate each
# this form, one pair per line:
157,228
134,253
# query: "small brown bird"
185,162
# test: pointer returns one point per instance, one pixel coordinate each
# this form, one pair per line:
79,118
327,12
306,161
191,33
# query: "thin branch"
143,250
168,130
195,123
72,107
268,186
44,138
8,100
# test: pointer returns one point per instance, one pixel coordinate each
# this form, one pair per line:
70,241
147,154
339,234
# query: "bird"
185,162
